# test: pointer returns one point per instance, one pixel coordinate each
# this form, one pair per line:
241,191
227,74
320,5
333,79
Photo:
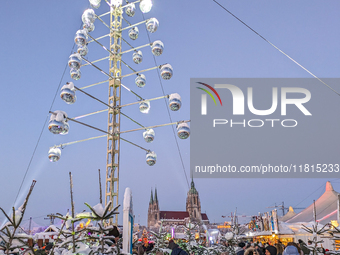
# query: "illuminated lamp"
152,25
95,3
166,71
68,93
88,16
133,33
82,50
88,26
149,135
140,80
175,102
145,5
54,154
81,37
130,10
137,57
183,130
157,48
151,158
75,74
74,61
144,107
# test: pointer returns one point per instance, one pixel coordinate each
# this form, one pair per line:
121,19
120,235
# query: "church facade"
193,211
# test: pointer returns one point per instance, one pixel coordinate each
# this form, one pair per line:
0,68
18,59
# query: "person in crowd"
115,233
175,249
323,249
140,249
270,250
258,249
291,250
296,246
279,248
240,249
262,249
249,251
303,247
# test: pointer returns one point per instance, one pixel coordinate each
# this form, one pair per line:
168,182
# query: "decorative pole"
113,142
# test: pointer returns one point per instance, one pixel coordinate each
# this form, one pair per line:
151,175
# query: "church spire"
193,189
151,198
156,199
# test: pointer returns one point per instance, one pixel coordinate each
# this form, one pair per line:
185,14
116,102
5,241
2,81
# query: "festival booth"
289,228
266,228
281,233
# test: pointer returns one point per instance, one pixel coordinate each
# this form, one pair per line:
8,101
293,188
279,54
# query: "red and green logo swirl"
209,93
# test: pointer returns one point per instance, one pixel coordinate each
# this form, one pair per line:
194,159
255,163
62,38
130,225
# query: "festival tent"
301,234
290,214
326,208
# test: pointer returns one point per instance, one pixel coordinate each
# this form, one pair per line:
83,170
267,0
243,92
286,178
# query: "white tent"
326,208
290,214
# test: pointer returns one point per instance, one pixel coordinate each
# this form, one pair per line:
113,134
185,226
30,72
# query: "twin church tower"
192,213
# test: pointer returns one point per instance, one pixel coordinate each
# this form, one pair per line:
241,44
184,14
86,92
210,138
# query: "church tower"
153,211
193,205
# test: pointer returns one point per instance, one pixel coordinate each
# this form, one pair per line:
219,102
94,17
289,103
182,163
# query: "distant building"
192,213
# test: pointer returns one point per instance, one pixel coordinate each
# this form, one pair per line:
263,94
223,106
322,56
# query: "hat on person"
272,250
291,250
241,244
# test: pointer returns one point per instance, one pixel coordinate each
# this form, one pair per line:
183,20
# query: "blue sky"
201,41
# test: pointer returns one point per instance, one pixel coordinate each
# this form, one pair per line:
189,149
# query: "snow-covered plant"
100,233
10,241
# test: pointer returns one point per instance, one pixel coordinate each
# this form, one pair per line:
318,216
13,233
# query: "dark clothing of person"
113,232
241,252
260,251
304,248
178,251
175,249
272,250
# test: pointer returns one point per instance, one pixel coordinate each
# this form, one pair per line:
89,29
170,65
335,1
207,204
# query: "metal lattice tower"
113,142
58,123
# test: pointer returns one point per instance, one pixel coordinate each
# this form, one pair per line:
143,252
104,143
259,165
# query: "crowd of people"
292,248
252,248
